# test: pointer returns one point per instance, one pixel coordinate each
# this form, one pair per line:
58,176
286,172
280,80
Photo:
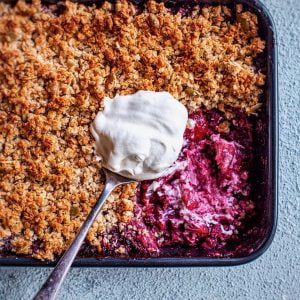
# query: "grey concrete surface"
275,275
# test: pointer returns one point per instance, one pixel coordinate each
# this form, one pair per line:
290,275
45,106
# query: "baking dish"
265,183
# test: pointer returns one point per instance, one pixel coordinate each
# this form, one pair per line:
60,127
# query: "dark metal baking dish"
265,169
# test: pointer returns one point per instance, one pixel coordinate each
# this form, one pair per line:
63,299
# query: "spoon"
52,285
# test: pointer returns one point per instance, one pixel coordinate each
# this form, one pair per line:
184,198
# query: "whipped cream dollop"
139,136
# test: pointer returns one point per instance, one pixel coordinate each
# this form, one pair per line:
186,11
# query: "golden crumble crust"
54,74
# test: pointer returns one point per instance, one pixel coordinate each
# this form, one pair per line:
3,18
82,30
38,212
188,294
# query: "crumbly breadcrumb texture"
55,70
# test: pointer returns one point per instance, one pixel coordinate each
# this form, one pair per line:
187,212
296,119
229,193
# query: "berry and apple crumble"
58,62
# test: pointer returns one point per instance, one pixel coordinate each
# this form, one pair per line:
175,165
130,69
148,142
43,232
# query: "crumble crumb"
55,71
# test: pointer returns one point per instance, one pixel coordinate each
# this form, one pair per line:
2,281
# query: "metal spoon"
52,285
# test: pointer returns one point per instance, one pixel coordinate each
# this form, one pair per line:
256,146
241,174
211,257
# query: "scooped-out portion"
203,199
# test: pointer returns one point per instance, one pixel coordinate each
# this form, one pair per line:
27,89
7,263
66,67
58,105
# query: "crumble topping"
55,69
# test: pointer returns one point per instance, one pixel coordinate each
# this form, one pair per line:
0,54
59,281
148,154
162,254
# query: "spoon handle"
50,288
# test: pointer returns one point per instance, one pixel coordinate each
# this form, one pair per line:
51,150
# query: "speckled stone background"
275,275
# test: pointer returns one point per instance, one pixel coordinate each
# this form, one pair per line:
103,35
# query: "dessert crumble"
57,63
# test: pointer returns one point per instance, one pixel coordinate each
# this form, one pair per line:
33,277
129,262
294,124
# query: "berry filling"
203,198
